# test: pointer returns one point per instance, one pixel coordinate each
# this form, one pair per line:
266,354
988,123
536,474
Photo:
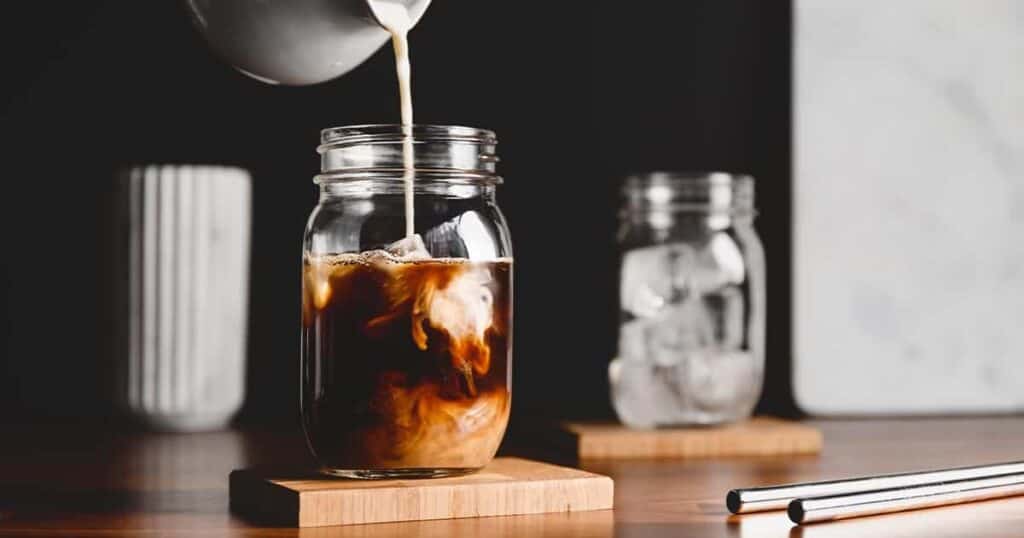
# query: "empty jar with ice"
692,297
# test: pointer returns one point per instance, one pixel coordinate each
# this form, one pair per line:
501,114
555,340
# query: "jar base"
408,473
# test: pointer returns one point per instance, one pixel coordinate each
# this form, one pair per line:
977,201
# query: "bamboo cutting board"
507,486
759,436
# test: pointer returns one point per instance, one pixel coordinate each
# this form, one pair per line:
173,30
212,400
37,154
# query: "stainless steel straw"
908,498
741,501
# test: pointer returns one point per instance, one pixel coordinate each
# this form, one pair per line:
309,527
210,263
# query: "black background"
578,92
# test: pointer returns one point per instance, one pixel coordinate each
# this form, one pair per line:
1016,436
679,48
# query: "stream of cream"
396,19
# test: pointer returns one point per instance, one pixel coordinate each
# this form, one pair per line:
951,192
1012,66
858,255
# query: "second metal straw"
909,498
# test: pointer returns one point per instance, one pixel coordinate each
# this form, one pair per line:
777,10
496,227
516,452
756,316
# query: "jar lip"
379,151
685,177
688,191
388,132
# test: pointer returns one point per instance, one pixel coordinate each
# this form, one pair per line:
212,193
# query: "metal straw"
746,500
907,498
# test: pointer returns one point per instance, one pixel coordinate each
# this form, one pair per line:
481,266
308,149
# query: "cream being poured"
395,17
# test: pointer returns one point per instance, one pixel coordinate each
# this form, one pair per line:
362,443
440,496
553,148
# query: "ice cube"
633,340
681,327
708,383
722,381
409,248
665,337
645,395
646,284
464,308
718,263
634,407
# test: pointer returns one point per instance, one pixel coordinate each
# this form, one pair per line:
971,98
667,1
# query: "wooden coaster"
759,436
507,486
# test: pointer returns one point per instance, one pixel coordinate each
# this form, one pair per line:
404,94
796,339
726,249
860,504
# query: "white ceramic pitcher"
294,42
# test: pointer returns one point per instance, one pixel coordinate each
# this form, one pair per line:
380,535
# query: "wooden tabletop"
67,481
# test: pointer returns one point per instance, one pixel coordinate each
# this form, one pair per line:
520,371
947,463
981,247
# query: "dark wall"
579,93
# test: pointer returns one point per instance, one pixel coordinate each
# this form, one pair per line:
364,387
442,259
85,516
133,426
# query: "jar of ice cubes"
692,298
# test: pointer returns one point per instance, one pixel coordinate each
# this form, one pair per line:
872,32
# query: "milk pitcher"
295,42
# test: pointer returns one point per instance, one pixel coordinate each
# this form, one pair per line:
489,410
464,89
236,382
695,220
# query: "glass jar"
692,297
406,340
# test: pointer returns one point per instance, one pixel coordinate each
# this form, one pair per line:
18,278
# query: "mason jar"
692,298
406,331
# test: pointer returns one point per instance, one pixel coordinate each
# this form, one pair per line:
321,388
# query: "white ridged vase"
184,290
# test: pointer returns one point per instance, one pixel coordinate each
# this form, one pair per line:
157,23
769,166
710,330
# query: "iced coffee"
406,369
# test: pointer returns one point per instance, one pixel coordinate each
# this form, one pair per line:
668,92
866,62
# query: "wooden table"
66,481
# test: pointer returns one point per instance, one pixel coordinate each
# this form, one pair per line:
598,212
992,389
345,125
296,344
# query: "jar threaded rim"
688,191
456,152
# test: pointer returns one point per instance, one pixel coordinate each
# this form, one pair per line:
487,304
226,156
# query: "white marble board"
909,206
